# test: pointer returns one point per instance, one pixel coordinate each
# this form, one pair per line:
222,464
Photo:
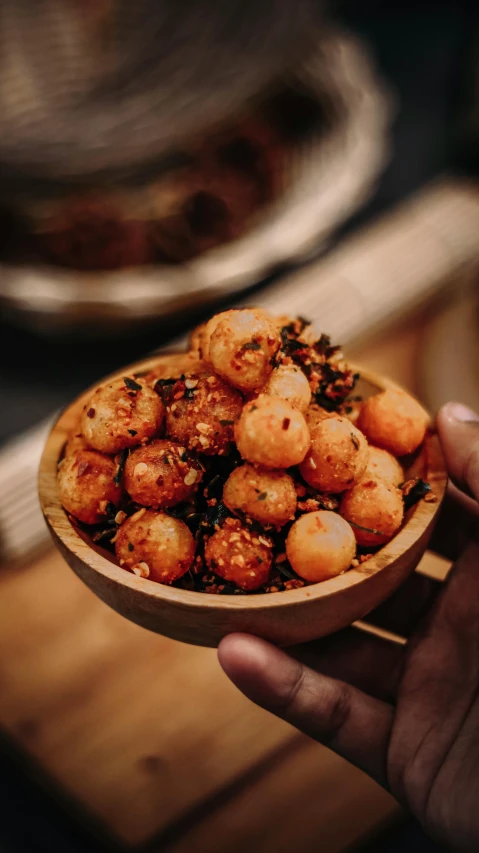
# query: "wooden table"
147,742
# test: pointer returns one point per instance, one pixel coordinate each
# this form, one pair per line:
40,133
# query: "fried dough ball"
314,414
121,414
289,382
75,442
239,555
337,458
320,545
201,413
86,484
351,410
209,328
266,496
271,433
393,420
382,464
241,348
156,546
162,474
175,365
375,510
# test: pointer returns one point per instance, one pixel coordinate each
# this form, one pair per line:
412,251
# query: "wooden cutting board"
138,730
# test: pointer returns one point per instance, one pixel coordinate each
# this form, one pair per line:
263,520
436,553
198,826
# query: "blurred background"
159,161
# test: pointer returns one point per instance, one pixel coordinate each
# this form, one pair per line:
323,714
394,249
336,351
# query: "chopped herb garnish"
121,465
322,344
355,441
304,322
287,572
131,384
131,547
111,512
100,535
224,422
184,456
252,345
189,394
414,494
164,388
133,432
262,496
366,529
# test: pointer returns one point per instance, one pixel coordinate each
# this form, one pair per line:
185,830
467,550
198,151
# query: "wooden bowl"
284,618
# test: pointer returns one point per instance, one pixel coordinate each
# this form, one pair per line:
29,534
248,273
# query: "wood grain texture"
284,618
134,727
142,734
310,802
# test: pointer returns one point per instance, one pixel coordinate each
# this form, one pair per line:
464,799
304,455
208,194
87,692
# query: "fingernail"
462,413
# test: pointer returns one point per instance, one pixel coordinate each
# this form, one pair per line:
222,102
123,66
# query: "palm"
433,747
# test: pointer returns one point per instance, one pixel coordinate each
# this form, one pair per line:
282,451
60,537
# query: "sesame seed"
264,542
201,427
312,464
142,570
190,477
191,383
204,441
140,469
120,517
138,515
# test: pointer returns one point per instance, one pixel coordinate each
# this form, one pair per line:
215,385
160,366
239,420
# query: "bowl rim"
420,519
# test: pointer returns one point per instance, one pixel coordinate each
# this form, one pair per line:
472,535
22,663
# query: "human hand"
408,715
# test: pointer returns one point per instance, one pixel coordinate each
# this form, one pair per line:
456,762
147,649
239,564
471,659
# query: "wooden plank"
135,727
310,801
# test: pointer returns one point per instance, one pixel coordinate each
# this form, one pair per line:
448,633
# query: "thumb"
341,717
458,429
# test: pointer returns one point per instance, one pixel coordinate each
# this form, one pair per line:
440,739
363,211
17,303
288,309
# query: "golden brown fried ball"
162,474
75,442
315,414
208,330
201,413
155,545
289,382
239,555
375,510
393,420
123,413
351,410
320,545
271,433
337,458
242,346
86,485
382,464
266,496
